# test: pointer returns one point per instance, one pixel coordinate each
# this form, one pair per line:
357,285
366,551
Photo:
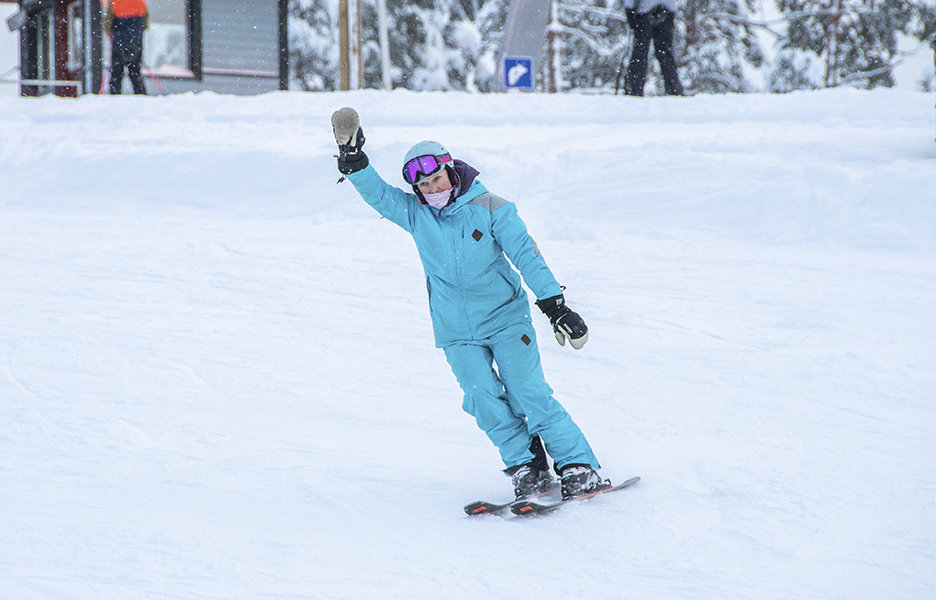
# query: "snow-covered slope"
218,379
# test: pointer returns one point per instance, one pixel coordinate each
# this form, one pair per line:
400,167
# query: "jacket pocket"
429,293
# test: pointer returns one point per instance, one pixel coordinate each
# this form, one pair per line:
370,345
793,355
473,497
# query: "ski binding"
524,508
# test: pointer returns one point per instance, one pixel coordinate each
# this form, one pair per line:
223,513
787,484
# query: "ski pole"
105,79
152,74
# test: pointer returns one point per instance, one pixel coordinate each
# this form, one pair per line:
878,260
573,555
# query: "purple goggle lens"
423,165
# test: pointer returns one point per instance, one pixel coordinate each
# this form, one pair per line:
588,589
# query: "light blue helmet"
414,170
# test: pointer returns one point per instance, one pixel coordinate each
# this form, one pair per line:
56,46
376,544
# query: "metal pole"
358,46
524,34
554,55
384,44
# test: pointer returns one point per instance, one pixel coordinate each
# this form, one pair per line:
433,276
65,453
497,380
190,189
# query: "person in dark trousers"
651,20
125,22
467,239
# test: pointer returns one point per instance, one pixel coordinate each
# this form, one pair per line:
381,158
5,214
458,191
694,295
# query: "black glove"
350,138
566,323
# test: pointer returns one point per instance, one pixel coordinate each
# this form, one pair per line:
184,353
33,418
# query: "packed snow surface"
218,377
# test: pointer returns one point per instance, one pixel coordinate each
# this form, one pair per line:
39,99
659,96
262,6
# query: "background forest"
722,45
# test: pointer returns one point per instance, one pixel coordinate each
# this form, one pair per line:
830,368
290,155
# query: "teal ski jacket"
474,293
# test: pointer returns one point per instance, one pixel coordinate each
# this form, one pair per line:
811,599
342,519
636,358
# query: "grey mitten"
567,324
350,138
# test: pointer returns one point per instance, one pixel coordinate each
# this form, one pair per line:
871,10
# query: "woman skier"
480,313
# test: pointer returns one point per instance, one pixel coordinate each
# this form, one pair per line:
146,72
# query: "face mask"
438,200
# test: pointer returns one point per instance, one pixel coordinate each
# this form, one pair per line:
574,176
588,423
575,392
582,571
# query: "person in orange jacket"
125,22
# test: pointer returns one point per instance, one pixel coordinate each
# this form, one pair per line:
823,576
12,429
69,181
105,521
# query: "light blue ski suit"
480,313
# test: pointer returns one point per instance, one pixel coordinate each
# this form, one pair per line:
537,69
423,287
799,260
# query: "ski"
523,508
491,508
486,508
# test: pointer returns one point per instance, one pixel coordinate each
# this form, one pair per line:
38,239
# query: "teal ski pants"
514,403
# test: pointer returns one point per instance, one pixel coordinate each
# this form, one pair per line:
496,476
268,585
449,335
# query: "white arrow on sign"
516,72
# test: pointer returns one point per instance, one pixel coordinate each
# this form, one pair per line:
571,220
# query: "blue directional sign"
518,73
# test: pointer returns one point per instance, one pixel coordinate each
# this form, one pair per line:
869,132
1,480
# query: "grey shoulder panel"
490,201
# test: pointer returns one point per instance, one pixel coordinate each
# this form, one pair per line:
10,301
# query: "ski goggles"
423,166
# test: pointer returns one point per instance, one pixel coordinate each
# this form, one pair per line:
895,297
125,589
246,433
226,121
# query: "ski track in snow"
218,379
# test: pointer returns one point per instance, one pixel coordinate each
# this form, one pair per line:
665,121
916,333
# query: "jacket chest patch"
477,235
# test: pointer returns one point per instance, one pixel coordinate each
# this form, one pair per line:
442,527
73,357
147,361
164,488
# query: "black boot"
580,480
530,481
532,478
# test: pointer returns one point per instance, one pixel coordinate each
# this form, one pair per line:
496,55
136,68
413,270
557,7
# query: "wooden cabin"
225,46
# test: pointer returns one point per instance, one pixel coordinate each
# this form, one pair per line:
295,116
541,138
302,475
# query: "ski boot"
528,481
580,480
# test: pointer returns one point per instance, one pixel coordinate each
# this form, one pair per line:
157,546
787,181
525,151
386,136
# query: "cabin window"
166,45
75,37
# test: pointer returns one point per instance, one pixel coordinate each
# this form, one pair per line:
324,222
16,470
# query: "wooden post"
344,43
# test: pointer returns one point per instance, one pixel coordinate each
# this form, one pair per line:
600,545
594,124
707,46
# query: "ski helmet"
425,148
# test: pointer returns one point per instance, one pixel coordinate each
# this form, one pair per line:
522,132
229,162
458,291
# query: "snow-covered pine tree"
595,41
437,44
481,30
313,45
715,41
923,28
845,42
434,44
